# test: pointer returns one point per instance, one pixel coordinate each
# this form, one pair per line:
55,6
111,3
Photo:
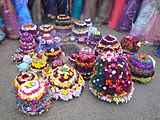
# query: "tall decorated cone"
111,79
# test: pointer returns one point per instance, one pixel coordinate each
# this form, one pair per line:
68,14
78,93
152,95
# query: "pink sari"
117,12
153,32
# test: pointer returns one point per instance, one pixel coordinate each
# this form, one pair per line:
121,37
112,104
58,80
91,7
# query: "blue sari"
22,10
76,9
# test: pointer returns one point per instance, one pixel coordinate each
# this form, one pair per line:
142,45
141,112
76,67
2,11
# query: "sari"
61,6
153,32
9,17
23,13
36,11
90,9
76,9
117,12
144,18
49,8
129,15
104,10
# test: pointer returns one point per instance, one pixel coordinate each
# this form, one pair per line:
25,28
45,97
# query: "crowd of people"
138,17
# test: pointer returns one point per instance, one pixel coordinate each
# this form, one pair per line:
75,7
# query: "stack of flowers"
50,47
94,38
30,28
112,80
33,98
23,77
27,43
142,67
39,61
47,29
108,43
84,62
130,43
65,83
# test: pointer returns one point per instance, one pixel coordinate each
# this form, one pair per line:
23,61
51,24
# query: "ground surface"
145,104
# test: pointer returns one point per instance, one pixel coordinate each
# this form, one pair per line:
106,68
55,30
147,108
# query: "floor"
145,104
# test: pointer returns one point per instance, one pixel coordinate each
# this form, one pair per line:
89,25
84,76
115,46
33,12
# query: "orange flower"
108,82
118,88
118,81
95,72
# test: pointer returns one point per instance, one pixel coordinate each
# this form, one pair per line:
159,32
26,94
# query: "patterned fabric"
61,6
10,19
23,13
104,10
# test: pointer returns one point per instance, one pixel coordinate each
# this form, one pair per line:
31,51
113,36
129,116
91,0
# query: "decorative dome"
33,98
65,83
112,80
142,67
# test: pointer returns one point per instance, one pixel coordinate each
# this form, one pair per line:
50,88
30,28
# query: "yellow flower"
65,85
53,90
65,76
29,83
64,92
78,88
56,82
139,44
80,82
72,90
70,73
58,76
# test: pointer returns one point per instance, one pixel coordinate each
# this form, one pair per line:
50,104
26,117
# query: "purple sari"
129,15
10,20
144,18
49,8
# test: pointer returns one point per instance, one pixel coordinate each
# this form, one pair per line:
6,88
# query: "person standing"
144,18
9,18
21,7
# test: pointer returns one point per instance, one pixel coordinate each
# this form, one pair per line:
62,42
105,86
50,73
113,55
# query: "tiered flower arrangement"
142,67
112,80
130,43
65,83
84,62
33,98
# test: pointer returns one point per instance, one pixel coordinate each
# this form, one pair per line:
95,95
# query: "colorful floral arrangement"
27,43
39,61
30,28
94,38
65,83
80,31
142,67
112,79
130,43
84,62
51,47
63,27
23,77
108,43
17,58
33,98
